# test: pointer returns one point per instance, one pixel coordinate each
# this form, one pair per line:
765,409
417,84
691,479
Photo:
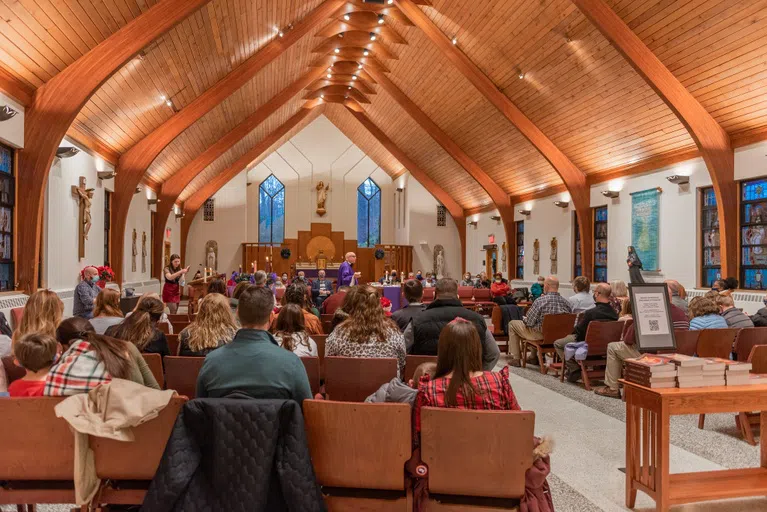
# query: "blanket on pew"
236,453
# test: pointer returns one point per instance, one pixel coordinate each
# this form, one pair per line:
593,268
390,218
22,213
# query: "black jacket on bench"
428,324
236,454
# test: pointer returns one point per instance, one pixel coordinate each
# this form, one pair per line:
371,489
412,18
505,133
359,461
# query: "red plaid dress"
78,370
493,392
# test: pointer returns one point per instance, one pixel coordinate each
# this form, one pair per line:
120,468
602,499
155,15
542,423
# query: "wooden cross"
81,196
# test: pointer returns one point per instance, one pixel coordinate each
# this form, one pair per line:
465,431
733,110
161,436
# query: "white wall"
477,237
140,219
12,130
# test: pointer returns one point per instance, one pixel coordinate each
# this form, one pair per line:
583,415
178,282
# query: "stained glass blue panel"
264,217
362,220
754,279
368,214
600,274
601,214
271,211
709,197
711,275
753,190
6,160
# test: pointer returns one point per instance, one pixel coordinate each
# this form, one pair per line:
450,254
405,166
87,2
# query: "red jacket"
499,289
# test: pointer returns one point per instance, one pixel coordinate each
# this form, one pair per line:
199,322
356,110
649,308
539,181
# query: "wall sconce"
107,175
612,194
180,215
473,223
678,180
6,113
562,204
137,191
150,202
496,218
400,189
526,213
66,152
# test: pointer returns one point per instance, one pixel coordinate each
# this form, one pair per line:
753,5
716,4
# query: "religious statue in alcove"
554,256
322,197
439,261
211,254
143,251
133,252
536,257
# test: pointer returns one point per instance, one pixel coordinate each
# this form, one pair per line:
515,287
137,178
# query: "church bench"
686,341
12,371
466,295
554,327
598,336
164,328
178,325
173,344
320,340
412,362
476,460
180,317
154,361
748,339
181,374
352,379
428,295
359,452
312,367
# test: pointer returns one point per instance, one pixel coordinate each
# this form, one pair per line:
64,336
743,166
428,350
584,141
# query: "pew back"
181,374
352,379
154,361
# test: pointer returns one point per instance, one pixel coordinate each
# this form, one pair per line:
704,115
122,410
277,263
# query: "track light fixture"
473,223
337,51
347,17
562,204
678,180
366,53
354,77
372,36
526,213
181,215
496,218
106,175
150,202
380,19
359,67
137,191
521,75
612,194
64,152
6,113
329,75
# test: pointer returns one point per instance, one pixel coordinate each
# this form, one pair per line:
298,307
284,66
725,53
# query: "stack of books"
737,373
650,371
689,370
714,372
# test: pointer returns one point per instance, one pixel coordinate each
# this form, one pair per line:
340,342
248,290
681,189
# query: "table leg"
662,479
762,436
631,437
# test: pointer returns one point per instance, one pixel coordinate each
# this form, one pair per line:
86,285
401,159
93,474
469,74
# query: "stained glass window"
520,249
7,211
709,224
209,210
600,244
577,265
271,211
753,218
441,216
368,214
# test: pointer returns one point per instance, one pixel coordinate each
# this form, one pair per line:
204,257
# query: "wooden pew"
352,379
477,459
312,366
154,361
182,317
359,453
412,362
716,342
320,340
179,326
173,344
181,374
748,339
36,453
127,469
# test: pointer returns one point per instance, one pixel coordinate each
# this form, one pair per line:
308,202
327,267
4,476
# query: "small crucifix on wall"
84,197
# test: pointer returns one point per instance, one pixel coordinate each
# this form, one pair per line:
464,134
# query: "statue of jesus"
322,196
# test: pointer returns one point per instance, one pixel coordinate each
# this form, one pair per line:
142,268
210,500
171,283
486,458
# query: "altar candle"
240,269
205,275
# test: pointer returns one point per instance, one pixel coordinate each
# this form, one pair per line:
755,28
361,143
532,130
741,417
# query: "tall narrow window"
753,240
7,211
107,225
600,244
368,214
577,265
520,249
709,224
271,211
209,210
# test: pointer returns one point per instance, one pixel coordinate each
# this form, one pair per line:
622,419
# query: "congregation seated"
279,283
536,290
321,289
92,359
334,302
413,291
531,327
760,318
140,328
213,327
296,294
601,312
163,319
423,334
367,332
735,318
627,311
253,363
582,300
216,285
238,289
678,294
290,332
725,286
36,353
704,314
618,294
500,289
300,278
106,311
467,280
619,351
86,292
390,278
259,279
459,381
398,391
42,314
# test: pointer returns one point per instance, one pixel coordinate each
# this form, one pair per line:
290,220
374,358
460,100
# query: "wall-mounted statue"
322,197
143,251
439,261
536,257
211,254
84,197
554,256
503,257
133,252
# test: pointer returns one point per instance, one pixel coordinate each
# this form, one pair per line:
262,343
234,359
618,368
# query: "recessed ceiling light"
359,67
347,17
455,40
169,103
366,53
163,98
521,75
372,36
281,33
354,77
320,100
322,95
330,76
349,87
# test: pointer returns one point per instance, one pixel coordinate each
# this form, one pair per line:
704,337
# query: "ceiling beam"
194,201
135,162
54,108
574,178
496,193
15,88
431,186
712,140
179,180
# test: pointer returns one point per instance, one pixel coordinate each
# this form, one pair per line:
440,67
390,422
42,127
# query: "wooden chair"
428,295
173,344
163,328
312,366
748,339
181,374
413,362
716,342
154,361
686,341
127,469
554,327
477,460
466,294
359,453
598,336
178,318
37,461
353,379
16,314
746,421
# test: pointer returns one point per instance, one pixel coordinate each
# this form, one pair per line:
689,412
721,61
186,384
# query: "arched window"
368,214
271,211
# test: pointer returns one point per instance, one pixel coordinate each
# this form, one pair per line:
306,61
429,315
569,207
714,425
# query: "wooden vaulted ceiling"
576,87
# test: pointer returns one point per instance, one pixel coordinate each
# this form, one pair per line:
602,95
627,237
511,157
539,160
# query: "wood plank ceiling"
544,55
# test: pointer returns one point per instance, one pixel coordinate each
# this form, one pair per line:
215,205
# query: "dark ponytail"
112,352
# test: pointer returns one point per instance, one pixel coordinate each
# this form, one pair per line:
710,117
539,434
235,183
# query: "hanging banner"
645,237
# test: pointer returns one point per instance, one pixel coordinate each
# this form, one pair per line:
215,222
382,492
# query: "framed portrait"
653,327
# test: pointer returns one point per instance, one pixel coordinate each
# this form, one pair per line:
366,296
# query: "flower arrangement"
243,277
285,253
379,254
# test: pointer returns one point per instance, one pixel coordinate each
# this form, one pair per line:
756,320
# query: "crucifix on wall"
84,197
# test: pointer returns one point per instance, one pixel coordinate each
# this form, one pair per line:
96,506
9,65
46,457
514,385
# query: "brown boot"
605,391
516,363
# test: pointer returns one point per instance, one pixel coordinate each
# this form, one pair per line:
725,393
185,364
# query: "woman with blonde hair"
214,327
42,313
140,328
367,332
106,311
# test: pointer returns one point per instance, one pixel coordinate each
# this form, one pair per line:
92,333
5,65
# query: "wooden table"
647,444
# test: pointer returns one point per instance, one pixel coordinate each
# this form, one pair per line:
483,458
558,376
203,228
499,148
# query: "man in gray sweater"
736,319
